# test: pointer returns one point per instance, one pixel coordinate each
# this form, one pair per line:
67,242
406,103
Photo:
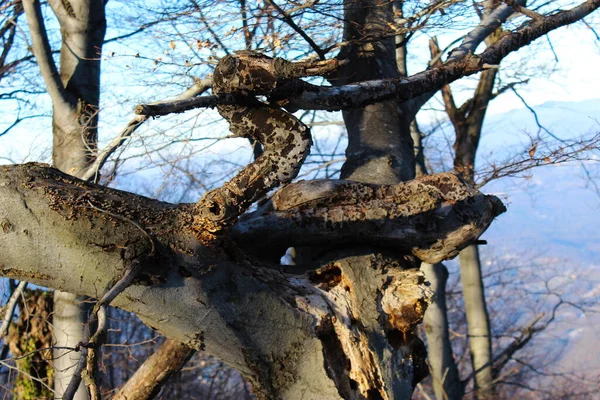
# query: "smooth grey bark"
75,98
443,369
478,322
379,150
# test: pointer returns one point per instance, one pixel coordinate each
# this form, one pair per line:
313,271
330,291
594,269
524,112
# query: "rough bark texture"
431,217
147,381
344,329
63,233
379,152
286,140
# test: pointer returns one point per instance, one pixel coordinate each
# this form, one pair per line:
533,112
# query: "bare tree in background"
74,88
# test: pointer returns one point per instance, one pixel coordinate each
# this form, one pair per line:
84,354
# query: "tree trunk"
75,100
446,379
380,150
478,322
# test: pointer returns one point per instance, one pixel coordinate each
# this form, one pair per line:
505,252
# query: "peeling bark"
432,217
74,236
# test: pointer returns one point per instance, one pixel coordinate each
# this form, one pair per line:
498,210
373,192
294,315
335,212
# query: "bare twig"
200,86
302,95
86,367
10,308
288,19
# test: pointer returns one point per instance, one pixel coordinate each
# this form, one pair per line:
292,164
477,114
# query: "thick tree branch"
202,291
149,378
302,95
433,217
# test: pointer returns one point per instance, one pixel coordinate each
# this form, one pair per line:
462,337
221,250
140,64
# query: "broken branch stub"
432,217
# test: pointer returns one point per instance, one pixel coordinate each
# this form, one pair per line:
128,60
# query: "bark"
478,323
443,369
75,92
75,128
147,381
431,217
378,150
290,335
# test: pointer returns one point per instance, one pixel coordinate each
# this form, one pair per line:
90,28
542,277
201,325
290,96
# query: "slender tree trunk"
75,99
478,322
443,369
442,365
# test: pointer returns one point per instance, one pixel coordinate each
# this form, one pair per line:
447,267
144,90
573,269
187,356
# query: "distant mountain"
557,207
566,120
554,214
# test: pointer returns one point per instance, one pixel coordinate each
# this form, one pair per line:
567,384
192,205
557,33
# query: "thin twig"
288,19
86,367
200,86
10,308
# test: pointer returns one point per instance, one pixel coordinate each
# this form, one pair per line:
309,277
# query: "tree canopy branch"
302,95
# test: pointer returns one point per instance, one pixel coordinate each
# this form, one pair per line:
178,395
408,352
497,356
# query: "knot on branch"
404,299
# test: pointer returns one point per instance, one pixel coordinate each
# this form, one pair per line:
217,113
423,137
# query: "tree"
74,89
345,327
